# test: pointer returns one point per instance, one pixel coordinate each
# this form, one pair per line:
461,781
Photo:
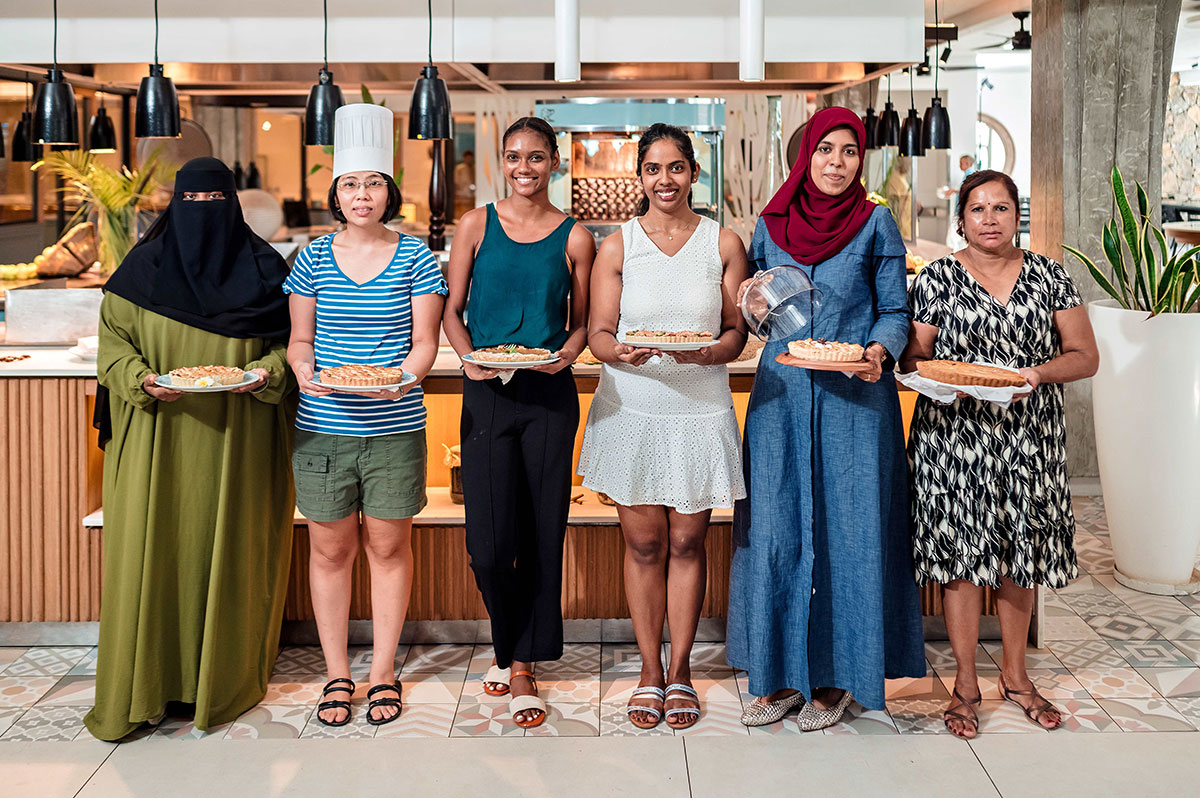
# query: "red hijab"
804,221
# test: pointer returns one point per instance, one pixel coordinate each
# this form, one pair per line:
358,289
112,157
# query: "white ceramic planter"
1146,402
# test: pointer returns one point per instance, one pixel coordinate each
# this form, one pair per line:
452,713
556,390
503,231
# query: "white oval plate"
407,379
164,381
684,346
88,356
516,364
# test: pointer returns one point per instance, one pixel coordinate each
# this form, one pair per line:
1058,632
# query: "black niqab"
202,265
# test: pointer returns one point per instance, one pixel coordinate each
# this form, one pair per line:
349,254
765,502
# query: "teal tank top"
520,293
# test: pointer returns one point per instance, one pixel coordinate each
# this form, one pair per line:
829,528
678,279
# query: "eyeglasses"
373,184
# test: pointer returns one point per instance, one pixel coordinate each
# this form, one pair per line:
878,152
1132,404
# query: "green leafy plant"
1144,275
114,195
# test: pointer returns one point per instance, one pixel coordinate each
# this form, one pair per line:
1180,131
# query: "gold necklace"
671,236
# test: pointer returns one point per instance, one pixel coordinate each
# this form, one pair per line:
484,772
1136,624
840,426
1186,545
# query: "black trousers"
518,445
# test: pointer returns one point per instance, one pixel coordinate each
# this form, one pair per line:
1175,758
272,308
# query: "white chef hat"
362,139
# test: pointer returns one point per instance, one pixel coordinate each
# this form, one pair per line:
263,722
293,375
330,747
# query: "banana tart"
357,375
820,349
956,372
205,376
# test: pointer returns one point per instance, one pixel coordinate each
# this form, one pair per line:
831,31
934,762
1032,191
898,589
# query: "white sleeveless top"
665,432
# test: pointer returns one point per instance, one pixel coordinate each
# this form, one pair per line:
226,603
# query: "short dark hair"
537,125
392,208
977,179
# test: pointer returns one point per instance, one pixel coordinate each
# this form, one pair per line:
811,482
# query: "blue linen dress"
822,591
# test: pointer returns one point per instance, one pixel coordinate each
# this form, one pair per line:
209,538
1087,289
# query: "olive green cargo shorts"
337,475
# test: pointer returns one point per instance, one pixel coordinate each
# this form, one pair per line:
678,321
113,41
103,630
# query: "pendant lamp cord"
912,97
325,7
430,32
56,35
937,43
889,87
155,31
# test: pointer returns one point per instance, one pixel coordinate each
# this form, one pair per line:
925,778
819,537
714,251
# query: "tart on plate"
820,349
357,375
205,376
511,353
668,337
956,372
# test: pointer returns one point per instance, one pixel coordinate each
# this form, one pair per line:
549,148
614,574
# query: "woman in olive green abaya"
198,499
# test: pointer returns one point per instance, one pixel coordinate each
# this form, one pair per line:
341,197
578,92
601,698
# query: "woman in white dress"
662,437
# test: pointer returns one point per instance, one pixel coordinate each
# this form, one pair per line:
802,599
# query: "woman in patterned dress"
990,499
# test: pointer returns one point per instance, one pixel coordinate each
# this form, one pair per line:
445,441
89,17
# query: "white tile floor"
1123,667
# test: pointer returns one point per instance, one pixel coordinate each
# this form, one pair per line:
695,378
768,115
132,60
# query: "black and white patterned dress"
990,496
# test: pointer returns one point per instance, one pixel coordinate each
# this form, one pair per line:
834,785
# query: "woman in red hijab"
823,606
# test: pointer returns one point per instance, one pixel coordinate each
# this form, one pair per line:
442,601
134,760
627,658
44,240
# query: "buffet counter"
52,522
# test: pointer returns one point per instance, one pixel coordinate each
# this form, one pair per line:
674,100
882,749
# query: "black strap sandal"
334,686
383,702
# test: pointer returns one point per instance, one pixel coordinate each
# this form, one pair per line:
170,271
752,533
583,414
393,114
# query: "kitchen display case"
597,181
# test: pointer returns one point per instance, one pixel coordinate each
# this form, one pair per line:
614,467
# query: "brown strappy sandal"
1035,711
972,720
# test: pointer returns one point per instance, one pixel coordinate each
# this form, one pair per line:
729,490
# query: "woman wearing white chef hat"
364,296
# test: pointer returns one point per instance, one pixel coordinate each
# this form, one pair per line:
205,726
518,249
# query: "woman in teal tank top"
519,275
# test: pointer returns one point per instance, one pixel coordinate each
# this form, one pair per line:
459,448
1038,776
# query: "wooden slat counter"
52,480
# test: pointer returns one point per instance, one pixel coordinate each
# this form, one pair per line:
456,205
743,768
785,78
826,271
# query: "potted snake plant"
1146,398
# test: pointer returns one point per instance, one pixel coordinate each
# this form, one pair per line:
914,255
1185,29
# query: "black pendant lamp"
870,122
54,118
102,137
910,136
157,114
935,131
887,132
324,98
429,114
22,141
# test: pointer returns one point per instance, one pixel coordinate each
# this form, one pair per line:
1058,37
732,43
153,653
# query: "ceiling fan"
1020,40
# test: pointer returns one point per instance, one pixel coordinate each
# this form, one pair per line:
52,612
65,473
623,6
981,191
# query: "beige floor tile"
24,691
420,720
266,722
430,688
887,765
1089,765
1145,715
1114,683
49,770
10,654
305,769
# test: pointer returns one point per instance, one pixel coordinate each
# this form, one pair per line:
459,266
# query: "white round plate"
517,364
407,379
86,355
164,381
685,346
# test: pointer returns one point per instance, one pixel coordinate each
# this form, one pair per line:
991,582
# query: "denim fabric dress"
822,592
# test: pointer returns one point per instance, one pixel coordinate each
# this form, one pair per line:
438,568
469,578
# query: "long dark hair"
977,179
537,125
657,132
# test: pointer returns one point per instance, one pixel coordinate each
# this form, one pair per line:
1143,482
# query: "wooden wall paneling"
51,563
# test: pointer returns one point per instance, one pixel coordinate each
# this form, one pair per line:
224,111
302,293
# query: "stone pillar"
1100,75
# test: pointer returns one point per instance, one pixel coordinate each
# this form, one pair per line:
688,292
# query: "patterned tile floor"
1115,661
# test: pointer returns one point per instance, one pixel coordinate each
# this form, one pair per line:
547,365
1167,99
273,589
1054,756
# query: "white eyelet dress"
665,433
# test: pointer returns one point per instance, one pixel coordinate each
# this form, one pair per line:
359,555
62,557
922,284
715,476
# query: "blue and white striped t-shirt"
369,324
